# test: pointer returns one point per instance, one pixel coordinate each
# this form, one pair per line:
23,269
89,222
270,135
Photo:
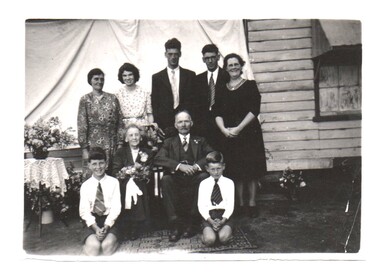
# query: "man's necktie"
185,145
216,195
174,90
99,207
212,91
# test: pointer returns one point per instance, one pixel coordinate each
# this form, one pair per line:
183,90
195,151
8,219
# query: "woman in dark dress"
237,109
133,162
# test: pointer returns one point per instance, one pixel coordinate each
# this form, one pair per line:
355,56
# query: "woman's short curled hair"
128,67
230,56
92,73
129,126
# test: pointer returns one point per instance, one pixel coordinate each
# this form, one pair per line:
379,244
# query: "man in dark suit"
184,158
171,88
205,89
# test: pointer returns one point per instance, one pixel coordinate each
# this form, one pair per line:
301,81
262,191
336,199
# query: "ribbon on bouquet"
131,194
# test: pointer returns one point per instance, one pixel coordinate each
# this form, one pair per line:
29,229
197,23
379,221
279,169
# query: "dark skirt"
245,155
139,212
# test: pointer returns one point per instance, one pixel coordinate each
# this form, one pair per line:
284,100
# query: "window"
338,92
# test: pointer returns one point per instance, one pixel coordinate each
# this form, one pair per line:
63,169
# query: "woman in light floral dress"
135,102
99,119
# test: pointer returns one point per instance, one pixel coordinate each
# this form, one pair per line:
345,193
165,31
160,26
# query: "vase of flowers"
45,134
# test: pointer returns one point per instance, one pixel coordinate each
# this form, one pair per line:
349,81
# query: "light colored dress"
135,105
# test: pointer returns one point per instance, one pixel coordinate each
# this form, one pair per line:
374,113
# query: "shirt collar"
214,73
101,180
175,69
182,136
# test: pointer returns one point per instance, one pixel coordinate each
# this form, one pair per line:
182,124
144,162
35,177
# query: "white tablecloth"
51,172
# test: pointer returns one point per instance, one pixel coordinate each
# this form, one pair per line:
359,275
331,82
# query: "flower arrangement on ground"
291,181
45,134
139,171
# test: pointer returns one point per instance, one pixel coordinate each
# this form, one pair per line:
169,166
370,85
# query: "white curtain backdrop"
60,53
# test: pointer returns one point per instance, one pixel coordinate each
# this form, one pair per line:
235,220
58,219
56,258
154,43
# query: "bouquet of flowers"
291,182
154,137
43,135
139,171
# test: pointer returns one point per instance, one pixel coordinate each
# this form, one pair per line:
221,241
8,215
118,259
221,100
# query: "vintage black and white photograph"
219,137
193,136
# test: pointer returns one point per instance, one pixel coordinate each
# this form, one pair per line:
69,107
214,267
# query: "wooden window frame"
351,55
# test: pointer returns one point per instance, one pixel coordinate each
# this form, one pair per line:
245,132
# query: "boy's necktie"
216,195
99,207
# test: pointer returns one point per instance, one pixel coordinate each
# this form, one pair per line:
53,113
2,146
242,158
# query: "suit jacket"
168,155
162,96
200,100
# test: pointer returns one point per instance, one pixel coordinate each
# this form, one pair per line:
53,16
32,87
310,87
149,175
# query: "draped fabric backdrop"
60,53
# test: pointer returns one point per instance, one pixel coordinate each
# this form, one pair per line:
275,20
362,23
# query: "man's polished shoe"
189,232
174,235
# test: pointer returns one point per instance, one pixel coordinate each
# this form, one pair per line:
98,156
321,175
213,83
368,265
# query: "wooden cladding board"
272,24
268,35
284,55
286,86
278,66
284,76
287,96
275,45
280,55
299,164
287,106
312,144
309,125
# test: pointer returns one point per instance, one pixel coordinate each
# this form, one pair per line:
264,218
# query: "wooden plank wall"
280,56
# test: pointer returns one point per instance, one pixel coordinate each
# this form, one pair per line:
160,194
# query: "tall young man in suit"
184,158
171,88
205,90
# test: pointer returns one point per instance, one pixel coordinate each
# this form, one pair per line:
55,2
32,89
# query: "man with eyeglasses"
205,92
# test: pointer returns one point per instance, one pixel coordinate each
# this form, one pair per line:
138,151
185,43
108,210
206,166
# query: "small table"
51,172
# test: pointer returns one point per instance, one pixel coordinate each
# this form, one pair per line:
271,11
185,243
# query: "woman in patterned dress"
135,102
99,119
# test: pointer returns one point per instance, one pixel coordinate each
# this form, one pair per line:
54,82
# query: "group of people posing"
212,155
